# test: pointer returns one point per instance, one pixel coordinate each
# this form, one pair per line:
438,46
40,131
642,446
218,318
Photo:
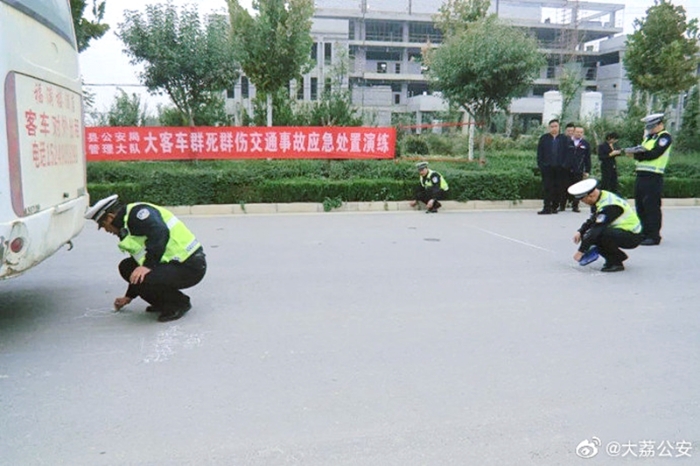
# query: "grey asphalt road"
463,338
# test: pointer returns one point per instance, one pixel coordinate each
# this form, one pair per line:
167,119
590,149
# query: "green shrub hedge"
507,177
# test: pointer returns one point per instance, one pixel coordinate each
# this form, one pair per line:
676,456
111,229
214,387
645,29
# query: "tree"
570,83
183,58
689,134
455,15
484,67
86,30
273,47
661,57
126,110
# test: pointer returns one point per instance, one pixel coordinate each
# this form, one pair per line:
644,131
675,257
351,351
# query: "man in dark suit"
578,163
551,157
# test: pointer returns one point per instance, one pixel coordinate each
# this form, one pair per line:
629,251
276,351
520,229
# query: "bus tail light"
16,245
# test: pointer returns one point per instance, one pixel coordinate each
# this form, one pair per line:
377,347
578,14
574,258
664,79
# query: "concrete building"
382,42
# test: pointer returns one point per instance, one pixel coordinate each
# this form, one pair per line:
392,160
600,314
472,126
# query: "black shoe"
650,242
174,313
437,205
431,211
613,268
575,209
544,212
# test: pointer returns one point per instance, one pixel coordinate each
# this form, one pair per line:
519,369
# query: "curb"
378,206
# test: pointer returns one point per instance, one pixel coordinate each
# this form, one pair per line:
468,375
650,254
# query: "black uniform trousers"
573,179
608,179
612,239
425,195
161,286
647,198
555,182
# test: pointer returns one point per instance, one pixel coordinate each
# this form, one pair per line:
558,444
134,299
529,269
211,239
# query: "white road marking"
516,240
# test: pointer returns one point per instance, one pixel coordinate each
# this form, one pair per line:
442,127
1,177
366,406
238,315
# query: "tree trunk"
471,138
482,141
269,109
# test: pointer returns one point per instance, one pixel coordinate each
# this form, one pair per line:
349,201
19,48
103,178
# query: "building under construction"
381,42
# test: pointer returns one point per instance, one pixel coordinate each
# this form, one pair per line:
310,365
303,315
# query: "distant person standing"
569,130
608,166
651,158
551,153
579,162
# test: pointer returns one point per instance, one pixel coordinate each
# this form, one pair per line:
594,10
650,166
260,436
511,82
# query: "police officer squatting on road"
651,158
433,187
165,255
613,225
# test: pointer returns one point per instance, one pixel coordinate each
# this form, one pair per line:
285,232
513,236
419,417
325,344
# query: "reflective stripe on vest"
181,243
628,221
427,182
658,165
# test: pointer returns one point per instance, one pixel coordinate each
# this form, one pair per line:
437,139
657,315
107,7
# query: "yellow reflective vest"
658,165
628,221
427,180
181,244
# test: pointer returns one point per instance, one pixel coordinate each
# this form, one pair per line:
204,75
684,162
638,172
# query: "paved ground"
390,338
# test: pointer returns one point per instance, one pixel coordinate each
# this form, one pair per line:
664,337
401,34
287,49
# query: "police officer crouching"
613,225
165,255
433,187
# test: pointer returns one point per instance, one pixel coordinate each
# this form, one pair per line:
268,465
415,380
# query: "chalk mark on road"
516,240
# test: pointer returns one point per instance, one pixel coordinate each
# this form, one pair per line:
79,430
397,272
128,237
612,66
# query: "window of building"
327,51
397,99
397,68
351,30
385,31
540,90
381,67
327,87
314,88
424,32
383,54
415,89
551,72
244,87
230,93
314,51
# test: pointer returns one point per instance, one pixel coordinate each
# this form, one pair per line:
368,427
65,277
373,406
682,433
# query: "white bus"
43,193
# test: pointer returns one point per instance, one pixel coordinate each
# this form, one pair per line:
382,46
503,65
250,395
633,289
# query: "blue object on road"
591,255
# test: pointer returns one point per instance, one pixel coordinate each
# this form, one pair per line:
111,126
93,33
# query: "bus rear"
42,162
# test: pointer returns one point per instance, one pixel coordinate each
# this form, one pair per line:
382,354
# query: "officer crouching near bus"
165,255
613,225
651,158
433,187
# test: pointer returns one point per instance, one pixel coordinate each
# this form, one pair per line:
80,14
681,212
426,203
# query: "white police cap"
101,207
652,120
421,165
582,188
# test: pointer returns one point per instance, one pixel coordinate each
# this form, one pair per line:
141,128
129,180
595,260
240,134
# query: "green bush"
415,145
505,176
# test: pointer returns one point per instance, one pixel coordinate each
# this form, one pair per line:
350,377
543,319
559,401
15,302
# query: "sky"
105,67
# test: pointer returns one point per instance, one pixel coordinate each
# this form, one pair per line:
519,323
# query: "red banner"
276,142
